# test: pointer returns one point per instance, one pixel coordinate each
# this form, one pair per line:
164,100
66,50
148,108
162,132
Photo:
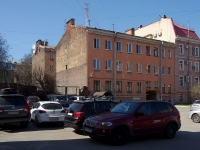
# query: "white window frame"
181,97
96,64
163,53
195,80
169,70
108,65
96,43
148,84
163,88
181,49
129,48
169,88
97,85
196,64
163,70
156,54
119,66
129,87
148,69
181,76
148,51
196,51
119,46
156,69
139,87
108,85
51,56
156,84
181,65
108,45
169,54
51,68
119,86
138,49
139,68
129,66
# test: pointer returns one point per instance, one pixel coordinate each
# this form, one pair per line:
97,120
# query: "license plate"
53,119
69,114
88,130
13,112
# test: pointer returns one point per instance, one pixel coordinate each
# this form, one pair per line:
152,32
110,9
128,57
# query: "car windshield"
12,100
52,106
125,108
61,98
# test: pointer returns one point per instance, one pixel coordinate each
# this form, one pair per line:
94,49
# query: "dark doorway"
151,95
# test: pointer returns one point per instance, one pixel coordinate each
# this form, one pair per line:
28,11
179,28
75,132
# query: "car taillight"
63,111
78,114
42,111
179,116
28,102
1,110
27,108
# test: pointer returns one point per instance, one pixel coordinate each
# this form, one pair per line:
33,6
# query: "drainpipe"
115,50
161,71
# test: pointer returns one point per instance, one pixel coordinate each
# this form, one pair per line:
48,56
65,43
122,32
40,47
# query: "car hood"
109,116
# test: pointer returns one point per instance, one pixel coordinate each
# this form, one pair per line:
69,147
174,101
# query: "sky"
23,22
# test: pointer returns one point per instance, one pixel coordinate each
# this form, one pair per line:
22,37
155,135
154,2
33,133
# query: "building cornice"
186,39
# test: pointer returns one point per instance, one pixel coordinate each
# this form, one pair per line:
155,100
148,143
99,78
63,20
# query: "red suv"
129,119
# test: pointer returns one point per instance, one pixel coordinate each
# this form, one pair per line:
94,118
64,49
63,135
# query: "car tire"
196,118
170,131
119,136
24,124
37,124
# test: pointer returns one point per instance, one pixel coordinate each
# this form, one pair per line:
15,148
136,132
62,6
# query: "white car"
195,111
47,111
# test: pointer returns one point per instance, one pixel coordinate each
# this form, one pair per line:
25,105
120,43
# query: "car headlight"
105,124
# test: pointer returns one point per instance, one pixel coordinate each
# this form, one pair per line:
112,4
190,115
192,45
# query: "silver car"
47,111
195,111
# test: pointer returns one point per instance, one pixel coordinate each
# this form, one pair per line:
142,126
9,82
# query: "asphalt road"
55,137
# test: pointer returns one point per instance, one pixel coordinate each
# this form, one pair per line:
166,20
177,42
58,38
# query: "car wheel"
24,124
37,124
119,136
170,131
196,118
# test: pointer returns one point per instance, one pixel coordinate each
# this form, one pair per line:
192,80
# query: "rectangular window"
196,80
169,88
97,43
139,68
51,56
181,64
129,67
181,97
129,48
148,50
108,45
96,85
181,49
155,52
163,70
51,68
108,64
148,69
139,87
163,88
96,64
108,86
119,66
156,84
196,65
138,49
119,46
163,53
156,70
169,54
169,71
119,86
129,86
148,84
181,80
197,51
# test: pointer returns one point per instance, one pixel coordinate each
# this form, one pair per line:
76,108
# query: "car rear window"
61,98
33,98
76,106
197,102
51,106
12,100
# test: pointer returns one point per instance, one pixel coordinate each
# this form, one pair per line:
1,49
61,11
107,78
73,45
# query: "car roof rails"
8,91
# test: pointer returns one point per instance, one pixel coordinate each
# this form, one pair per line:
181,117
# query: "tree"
4,47
195,91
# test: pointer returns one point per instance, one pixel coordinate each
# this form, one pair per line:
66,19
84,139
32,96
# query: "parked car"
46,111
195,111
75,98
129,119
31,100
78,111
13,108
62,99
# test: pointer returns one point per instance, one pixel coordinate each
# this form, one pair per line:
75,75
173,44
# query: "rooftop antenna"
87,10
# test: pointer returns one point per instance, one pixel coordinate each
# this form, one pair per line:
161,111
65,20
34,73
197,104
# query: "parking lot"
54,136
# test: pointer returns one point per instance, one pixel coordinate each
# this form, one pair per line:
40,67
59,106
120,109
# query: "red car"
129,119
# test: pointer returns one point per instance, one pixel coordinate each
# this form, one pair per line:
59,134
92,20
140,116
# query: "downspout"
115,50
161,71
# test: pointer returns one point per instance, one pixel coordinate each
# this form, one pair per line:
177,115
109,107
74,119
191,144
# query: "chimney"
130,31
70,22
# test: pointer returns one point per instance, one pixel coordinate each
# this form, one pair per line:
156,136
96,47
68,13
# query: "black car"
62,99
78,111
31,100
13,108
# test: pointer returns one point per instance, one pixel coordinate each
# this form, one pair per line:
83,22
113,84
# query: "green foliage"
195,91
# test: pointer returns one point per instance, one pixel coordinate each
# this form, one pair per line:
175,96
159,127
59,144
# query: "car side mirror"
139,113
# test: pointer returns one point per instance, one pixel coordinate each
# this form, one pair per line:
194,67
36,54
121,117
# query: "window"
181,97
169,54
148,69
119,86
181,80
119,46
197,51
139,87
148,84
181,65
145,108
155,52
96,85
156,84
108,64
96,43
129,86
163,53
163,88
163,70
138,49
196,80
66,67
148,50
156,70
196,65
108,45
51,56
51,68
96,64
119,66
169,88
108,86
129,67
161,108
169,71
181,49
139,68
129,48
